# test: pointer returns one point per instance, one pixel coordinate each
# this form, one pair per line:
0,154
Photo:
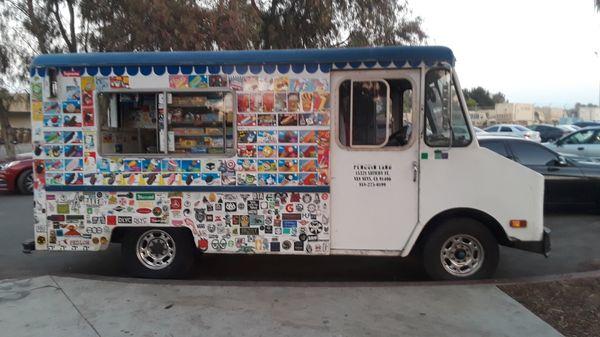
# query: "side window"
375,113
495,146
443,112
581,137
200,122
595,139
505,129
129,123
492,129
532,154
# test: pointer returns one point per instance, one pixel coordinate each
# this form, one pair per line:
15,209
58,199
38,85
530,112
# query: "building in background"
550,115
588,113
19,117
481,117
515,113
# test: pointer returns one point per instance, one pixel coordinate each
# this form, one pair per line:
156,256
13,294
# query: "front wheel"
459,249
25,182
158,252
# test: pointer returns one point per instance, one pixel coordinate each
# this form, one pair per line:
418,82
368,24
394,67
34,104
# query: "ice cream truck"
360,151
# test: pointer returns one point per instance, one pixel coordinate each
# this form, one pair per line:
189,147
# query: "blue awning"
307,58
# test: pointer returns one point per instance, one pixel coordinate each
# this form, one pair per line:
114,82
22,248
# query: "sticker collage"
282,138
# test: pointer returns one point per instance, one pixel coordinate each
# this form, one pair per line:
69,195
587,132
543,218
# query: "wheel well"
120,232
487,220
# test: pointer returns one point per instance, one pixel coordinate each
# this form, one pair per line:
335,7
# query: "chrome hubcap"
462,255
156,249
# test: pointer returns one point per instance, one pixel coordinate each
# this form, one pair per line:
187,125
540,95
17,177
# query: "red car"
17,175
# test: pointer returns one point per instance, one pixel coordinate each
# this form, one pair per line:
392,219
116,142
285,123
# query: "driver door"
374,153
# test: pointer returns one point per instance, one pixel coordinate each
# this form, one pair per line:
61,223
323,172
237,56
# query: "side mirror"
558,142
561,161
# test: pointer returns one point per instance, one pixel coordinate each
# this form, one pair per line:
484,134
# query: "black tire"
487,253
178,267
25,182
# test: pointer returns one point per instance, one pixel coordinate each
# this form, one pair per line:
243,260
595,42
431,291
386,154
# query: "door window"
375,113
529,153
581,137
492,129
444,114
505,129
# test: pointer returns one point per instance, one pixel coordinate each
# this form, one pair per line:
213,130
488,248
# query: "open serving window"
197,122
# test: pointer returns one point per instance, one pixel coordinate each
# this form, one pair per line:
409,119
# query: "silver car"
514,130
581,143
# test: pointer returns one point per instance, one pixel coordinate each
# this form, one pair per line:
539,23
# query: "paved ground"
575,248
63,306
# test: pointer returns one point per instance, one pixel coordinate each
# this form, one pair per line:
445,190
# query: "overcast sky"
534,51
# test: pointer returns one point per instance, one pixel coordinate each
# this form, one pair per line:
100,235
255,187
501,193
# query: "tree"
239,24
152,25
480,97
28,28
471,103
499,98
331,23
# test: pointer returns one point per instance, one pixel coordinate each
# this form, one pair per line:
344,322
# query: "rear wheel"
158,252
25,182
459,249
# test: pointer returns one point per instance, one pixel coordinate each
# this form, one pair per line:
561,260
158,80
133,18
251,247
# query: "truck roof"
338,57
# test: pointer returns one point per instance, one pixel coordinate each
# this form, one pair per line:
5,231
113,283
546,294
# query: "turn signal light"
518,223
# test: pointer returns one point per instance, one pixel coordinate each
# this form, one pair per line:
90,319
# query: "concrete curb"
316,284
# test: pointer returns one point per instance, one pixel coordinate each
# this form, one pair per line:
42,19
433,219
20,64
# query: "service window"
445,121
375,113
129,123
200,122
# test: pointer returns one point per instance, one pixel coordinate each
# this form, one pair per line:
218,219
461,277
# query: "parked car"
586,124
567,181
17,175
582,143
479,132
514,130
548,133
568,128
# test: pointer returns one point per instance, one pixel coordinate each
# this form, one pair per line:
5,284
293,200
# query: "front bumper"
540,247
3,182
6,184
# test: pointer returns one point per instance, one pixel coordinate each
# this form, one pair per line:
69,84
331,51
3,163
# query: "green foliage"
331,23
471,103
480,97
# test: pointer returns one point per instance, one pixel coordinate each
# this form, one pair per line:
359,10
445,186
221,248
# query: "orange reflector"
518,223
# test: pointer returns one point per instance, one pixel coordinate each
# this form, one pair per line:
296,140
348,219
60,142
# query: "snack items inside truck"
361,151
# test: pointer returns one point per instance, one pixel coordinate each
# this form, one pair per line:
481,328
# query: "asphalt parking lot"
575,237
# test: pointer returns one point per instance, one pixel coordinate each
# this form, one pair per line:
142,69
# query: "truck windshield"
441,97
